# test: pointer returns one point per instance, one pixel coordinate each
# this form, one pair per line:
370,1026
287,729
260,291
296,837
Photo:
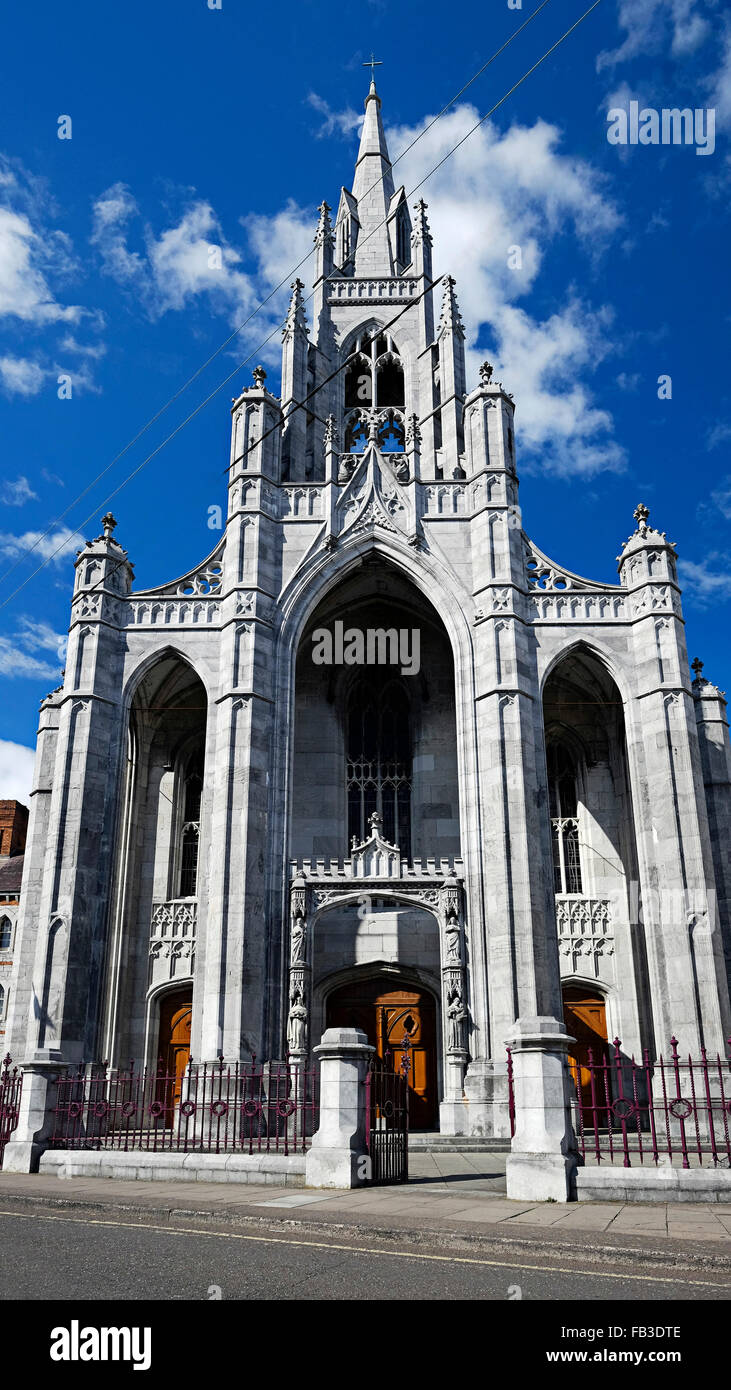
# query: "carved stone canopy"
375,857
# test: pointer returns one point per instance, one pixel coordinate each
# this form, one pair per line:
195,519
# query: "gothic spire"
373,191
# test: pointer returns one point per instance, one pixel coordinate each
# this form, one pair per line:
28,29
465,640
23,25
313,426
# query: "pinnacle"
296,317
451,319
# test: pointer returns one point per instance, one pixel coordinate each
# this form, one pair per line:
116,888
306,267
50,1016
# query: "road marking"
362,1249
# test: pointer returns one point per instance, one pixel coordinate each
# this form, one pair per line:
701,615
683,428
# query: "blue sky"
194,127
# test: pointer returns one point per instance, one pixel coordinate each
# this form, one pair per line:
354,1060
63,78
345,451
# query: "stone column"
542,1158
338,1153
37,1105
688,986
299,975
452,1118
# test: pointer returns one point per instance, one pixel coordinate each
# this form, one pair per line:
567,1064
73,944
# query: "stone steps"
421,1142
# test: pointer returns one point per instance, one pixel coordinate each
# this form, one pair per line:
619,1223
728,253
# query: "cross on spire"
373,63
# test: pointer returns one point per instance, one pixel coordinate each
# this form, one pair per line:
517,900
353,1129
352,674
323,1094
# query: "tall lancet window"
374,389
379,760
563,802
190,828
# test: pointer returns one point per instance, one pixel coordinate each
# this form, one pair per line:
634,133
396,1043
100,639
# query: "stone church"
377,760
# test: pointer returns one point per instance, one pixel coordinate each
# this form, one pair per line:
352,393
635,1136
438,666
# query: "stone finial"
697,666
324,231
108,522
413,433
451,319
296,321
486,371
644,535
330,438
260,377
641,514
375,822
421,230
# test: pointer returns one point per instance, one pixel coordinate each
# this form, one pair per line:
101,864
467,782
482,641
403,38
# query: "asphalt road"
100,1256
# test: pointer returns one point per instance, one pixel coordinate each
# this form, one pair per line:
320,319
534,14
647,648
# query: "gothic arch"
153,1000
149,661
591,647
321,573
317,578
347,899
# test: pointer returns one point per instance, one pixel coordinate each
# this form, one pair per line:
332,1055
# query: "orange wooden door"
176,1013
585,1017
406,1014
385,1014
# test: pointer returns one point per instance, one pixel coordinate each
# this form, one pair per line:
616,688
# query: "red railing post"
511,1093
678,1115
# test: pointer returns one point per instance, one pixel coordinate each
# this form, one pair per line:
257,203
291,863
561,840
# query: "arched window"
2,1001
378,734
190,830
563,802
6,933
374,384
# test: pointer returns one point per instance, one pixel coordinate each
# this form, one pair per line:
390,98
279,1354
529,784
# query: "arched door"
585,1017
176,1012
385,1014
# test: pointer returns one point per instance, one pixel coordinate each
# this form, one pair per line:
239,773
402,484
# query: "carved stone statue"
456,1013
299,940
297,1023
452,934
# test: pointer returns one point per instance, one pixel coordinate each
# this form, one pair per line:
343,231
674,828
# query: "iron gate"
11,1085
387,1119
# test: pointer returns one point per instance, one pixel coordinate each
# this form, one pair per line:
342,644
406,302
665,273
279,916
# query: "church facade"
378,760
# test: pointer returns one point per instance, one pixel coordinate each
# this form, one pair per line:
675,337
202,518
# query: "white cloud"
193,258
16,771
92,350
334,122
499,191
719,83
21,377
24,290
18,493
653,25
628,381
52,477
279,243
719,433
111,214
24,653
34,635
707,580
55,545
719,500
16,663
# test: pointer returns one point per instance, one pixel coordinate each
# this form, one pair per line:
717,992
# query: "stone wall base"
536,1177
336,1168
279,1169
663,1184
21,1156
